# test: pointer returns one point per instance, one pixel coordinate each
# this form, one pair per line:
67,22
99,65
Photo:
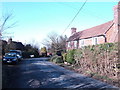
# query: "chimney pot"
73,30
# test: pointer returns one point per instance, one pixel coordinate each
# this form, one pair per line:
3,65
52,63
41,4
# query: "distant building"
107,32
15,45
11,45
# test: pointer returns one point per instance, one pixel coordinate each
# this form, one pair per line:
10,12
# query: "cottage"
15,45
107,32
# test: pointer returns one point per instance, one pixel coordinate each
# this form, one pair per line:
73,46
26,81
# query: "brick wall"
110,34
89,41
101,40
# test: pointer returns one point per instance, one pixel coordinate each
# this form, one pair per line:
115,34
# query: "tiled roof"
91,32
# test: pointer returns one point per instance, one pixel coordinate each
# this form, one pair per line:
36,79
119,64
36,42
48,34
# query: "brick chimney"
9,40
116,21
116,15
73,30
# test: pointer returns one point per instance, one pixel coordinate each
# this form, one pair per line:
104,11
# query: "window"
94,41
81,43
75,44
69,44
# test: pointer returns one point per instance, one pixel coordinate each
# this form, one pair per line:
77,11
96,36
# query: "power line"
75,16
96,15
93,15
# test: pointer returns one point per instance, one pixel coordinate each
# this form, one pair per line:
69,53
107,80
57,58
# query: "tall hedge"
70,56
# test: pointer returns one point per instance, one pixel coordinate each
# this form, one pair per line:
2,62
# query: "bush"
57,59
78,54
53,57
70,56
64,55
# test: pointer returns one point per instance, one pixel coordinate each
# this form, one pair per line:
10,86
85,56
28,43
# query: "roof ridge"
93,31
96,26
109,27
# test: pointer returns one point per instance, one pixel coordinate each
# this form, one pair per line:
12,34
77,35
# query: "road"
40,73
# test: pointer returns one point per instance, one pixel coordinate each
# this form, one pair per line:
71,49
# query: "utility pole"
118,66
0,46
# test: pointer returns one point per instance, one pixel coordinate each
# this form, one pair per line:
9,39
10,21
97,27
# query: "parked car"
18,52
10,58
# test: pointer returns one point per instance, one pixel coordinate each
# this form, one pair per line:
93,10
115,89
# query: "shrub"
92,48
78,54
70,56
64,55
53,57
57,59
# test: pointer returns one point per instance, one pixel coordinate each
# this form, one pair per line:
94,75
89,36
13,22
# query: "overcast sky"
37,19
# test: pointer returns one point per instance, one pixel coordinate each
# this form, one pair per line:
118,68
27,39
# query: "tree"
43,51
55,43
30,50
5,25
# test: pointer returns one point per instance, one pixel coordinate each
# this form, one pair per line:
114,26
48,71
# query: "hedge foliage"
74,56
70,56
99,60
57,59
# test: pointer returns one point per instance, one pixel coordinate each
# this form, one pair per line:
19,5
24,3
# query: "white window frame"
69,44
75,44
94,40
81,43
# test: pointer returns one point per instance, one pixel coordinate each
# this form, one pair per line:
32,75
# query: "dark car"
18,52
10,58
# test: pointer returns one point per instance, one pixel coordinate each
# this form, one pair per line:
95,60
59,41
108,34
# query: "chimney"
116,22
73,30
116,15
10,41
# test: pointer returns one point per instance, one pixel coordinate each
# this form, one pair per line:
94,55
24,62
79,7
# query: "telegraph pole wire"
75,16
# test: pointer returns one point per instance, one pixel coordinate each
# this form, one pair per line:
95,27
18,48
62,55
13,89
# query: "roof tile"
91,32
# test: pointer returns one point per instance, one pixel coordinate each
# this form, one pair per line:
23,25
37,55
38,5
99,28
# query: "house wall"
101,40
88,41
69,45
92,41
111,34
85,42
72,45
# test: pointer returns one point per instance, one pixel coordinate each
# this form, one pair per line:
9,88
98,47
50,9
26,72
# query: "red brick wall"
89,41
101,39
111,34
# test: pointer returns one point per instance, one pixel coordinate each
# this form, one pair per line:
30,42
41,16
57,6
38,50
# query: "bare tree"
54,42
34,43
5,23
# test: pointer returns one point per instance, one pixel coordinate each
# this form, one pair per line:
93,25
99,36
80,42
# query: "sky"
36,20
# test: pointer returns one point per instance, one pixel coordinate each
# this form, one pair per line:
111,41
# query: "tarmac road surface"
40,73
